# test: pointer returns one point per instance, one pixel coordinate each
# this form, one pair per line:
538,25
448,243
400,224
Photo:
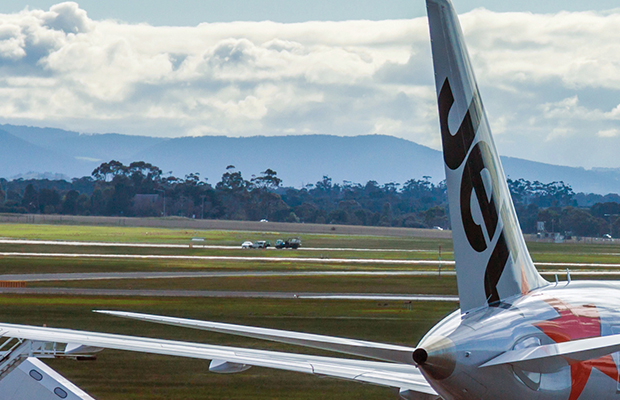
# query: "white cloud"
559,133
545,79
67,17
577,48
570,109
609,133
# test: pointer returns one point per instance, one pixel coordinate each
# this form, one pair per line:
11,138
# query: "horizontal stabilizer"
551,357
379,351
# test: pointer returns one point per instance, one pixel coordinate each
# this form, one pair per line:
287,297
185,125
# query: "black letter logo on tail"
472,180
455,147
480,158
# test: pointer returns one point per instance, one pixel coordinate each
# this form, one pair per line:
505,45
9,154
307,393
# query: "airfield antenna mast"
164,192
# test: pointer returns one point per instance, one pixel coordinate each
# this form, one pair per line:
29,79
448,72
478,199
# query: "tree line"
141,189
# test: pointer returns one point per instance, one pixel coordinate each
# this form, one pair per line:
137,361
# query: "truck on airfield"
292,243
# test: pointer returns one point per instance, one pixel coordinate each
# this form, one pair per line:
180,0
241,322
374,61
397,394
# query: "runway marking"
577,265
186,246
228,294
378,297
96,276
93,276
285,259
230,258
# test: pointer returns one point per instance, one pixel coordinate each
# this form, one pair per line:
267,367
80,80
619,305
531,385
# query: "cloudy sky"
549,71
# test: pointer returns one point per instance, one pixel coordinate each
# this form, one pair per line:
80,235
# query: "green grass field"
183,236
25,265
597,252
121,375
328,284
234,252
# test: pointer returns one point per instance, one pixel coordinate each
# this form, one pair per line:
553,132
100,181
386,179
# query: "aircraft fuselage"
458,346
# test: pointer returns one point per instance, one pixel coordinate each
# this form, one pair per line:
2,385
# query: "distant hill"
94,148
298,160
20,157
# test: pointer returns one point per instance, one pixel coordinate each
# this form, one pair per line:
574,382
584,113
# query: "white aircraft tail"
492,260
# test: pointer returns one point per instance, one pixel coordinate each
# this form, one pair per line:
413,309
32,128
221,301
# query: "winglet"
492,260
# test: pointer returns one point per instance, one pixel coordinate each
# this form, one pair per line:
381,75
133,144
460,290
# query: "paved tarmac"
185,246
225,294
286,259
202,274
230,258
94,276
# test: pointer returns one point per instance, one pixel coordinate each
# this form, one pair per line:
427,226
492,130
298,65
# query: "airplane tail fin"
492,260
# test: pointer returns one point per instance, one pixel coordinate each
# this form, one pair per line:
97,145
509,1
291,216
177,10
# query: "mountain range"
298,160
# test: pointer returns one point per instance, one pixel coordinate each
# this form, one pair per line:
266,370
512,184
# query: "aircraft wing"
550,357
379,351
231,359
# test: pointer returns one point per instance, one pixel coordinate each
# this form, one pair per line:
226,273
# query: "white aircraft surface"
516,336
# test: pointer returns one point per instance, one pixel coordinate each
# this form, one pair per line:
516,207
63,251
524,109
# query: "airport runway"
226,294
203,274
231,258
185,246
285,259
95,276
